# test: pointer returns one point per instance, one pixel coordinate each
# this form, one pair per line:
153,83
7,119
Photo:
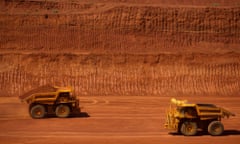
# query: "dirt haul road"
115,120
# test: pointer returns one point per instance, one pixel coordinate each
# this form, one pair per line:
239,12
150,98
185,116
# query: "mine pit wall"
126,74
125,50
122,29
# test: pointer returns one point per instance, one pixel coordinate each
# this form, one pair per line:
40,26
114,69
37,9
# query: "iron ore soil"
125,60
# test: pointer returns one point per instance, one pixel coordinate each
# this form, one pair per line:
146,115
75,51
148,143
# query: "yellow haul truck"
187,118
51,99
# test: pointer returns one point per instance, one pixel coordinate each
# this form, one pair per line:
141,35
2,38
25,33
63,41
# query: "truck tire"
62,111
215,128
37,111
189,128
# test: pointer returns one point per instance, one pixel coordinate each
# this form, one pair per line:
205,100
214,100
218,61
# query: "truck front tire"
189,128
62,111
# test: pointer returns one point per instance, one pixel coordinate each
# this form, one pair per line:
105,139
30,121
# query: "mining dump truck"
50,99
186,118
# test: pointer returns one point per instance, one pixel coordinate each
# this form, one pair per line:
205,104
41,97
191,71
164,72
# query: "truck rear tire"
62,111
215,128
37,111
189,128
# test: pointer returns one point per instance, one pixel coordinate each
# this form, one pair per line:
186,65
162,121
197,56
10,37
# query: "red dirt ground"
111,119
125,59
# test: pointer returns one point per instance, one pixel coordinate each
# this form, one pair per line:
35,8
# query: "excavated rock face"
127,48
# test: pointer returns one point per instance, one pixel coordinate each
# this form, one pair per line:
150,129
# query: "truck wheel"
62,111
215,128
37,111
189,128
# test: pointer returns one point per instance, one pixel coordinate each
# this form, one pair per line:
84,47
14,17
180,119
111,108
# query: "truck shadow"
225,133
231,132
72,115
202,133
79,115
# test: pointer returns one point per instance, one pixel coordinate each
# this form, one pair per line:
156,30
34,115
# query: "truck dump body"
208,111
41,89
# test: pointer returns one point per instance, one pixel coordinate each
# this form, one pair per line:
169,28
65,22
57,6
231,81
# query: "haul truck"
51,99
187,118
